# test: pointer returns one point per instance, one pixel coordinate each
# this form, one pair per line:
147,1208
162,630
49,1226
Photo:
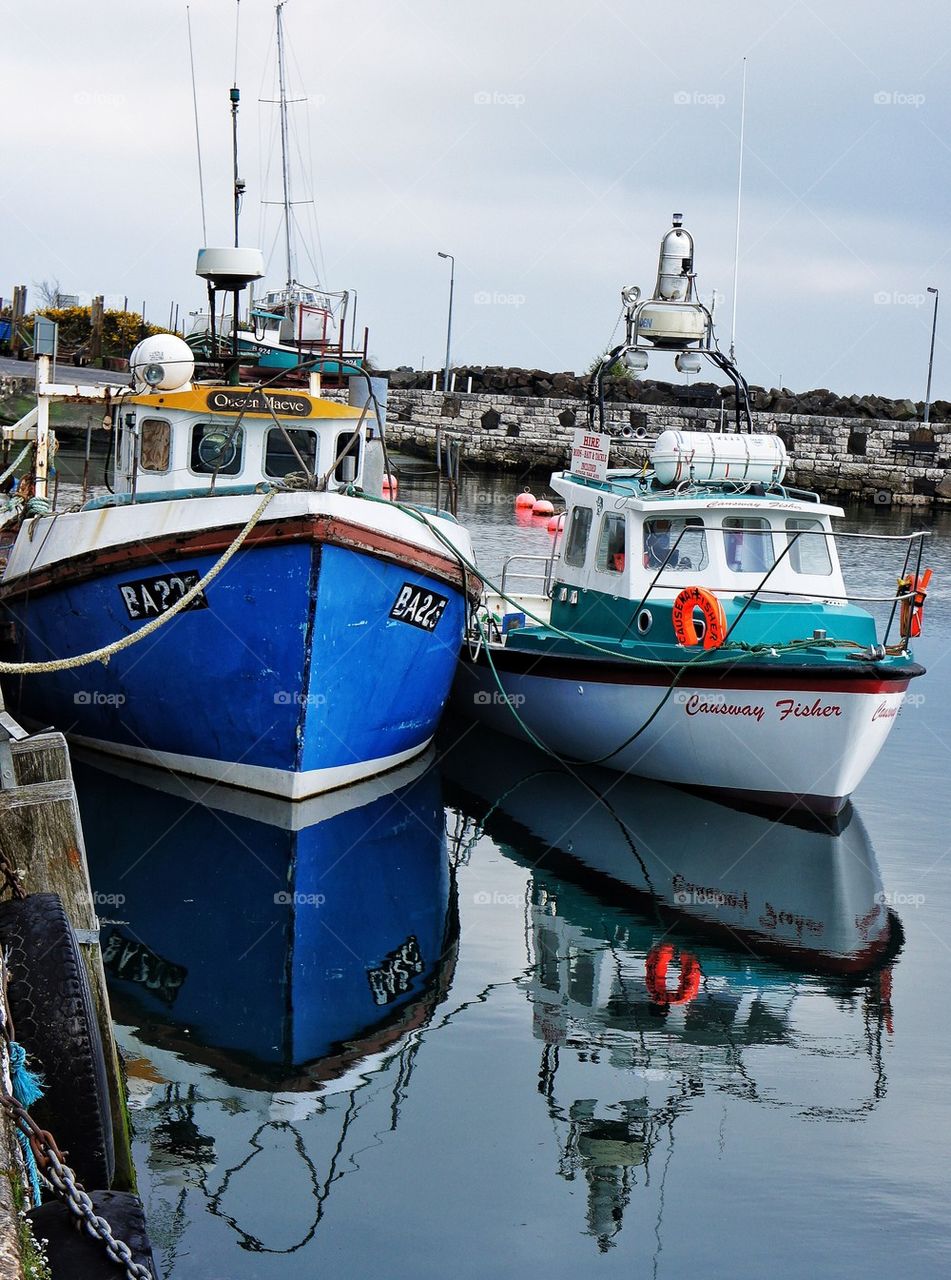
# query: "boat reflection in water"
278,963
678,947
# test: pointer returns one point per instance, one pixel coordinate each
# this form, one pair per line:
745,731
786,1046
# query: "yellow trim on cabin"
198,400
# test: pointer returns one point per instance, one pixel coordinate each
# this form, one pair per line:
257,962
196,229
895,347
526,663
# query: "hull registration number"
419,607
149,597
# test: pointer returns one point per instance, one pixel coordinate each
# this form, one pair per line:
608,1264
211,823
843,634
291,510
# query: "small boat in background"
298,322
693,624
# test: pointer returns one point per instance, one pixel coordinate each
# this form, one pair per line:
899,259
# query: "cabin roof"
640,494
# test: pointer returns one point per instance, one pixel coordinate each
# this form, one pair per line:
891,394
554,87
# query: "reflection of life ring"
658,961
913,606
714,631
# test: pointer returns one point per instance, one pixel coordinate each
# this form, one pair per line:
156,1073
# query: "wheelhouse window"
680,544
155,444
576,547
610,553
809,552
748,543
347,457
280,458
217,449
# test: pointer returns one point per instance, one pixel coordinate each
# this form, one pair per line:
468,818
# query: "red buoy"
557,523
391,487
525,499
543,508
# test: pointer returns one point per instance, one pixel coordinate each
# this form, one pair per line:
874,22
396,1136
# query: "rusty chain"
50,1161
52,1164
10,883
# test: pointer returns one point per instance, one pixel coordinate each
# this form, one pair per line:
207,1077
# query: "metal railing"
540,575
914,546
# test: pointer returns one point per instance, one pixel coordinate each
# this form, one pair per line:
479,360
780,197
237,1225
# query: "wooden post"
95,328
41,834
17,312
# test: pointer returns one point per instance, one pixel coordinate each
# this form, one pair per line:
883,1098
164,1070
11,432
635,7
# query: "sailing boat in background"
299,322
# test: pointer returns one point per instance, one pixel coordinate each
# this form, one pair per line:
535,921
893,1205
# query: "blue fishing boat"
244,606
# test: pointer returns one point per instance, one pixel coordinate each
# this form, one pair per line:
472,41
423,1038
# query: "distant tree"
49,291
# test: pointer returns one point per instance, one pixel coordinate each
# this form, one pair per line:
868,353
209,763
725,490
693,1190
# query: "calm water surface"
414,1031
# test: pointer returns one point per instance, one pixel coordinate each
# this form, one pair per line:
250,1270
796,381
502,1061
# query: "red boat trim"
862,677
328,530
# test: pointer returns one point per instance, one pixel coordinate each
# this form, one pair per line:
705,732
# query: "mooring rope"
104,654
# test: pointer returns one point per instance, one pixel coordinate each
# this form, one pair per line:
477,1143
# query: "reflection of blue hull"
275,947
293,680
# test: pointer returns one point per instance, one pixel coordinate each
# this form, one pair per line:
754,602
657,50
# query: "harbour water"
416,1030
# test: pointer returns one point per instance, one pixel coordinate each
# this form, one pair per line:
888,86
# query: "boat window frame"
576,517
356,454
290,429
618,518
140,441
763,533
818,531
691,521
240,435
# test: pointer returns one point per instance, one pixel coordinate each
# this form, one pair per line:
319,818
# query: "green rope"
735,649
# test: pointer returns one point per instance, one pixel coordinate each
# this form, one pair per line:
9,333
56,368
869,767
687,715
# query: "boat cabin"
620,538
235,438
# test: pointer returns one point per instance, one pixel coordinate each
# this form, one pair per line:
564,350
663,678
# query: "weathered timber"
41,835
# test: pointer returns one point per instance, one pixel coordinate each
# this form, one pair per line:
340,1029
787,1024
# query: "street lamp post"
452,277
934,328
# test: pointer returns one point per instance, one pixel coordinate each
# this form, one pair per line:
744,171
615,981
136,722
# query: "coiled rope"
104,654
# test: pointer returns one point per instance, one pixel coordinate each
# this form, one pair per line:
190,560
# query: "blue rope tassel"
27,1089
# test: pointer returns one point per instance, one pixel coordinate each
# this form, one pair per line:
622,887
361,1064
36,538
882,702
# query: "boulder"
903,411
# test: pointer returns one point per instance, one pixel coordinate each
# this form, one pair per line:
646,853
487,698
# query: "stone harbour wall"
859,459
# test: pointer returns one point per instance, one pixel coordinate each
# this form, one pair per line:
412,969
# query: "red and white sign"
589,455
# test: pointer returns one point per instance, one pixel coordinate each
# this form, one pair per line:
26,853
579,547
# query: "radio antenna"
201,178
739,194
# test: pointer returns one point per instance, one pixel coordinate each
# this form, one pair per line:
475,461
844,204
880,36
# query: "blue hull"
294,673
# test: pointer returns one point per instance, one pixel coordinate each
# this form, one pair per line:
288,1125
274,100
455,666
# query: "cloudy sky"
545,145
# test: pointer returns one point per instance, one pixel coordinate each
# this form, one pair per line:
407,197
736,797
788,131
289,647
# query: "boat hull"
292,678
783,738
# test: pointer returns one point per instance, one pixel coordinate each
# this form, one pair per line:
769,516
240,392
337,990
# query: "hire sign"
589,454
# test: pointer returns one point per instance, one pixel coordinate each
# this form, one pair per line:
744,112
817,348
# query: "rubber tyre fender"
54,1019
74,1255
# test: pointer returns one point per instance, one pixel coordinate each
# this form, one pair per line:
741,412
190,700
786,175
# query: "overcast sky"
544,144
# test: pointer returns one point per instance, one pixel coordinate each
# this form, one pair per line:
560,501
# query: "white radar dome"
163,362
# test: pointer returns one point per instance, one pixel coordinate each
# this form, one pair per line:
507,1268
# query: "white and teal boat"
692,623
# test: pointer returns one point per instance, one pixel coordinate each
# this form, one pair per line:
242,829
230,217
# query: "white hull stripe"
249,777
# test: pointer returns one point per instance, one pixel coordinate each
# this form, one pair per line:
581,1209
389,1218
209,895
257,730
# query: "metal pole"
41,465
934,328
452,278
739,193
282,86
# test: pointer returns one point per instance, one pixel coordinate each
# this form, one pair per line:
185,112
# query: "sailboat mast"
282,86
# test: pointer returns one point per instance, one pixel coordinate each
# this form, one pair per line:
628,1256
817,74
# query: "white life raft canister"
707,455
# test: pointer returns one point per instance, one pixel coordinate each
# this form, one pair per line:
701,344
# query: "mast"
282,86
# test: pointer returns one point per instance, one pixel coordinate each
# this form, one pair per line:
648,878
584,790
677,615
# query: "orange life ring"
913,606
714,632
658,962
